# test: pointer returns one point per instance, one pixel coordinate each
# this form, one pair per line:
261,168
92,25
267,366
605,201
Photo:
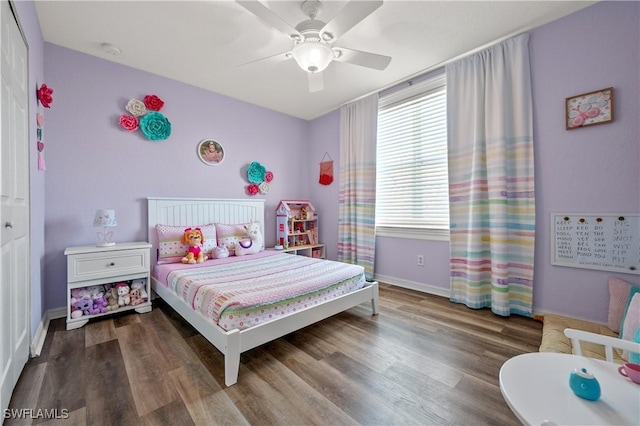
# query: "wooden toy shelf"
312,250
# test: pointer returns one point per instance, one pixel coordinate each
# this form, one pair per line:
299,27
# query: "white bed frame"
200,211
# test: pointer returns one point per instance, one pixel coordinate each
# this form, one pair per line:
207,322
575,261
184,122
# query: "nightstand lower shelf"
73,323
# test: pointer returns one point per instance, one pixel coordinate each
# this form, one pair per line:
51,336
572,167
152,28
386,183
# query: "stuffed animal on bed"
254,243
194,238
220,252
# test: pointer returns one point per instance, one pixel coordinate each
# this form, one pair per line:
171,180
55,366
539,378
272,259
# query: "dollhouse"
297,228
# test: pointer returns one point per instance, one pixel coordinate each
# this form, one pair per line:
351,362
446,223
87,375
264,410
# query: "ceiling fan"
313,39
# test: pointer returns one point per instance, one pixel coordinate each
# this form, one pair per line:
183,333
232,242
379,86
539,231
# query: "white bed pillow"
170,247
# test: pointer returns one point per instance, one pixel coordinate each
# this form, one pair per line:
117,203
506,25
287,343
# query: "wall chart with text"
608,242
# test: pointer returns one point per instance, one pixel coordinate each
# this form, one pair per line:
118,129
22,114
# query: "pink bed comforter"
241,292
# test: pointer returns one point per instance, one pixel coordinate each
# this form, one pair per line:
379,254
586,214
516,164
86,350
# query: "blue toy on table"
584,384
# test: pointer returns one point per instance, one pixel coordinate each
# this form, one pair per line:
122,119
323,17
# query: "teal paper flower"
256,172
155,126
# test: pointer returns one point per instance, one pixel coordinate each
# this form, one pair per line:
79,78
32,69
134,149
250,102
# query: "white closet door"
14,205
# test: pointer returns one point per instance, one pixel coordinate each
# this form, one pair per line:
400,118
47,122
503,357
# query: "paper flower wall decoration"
259,179
44,96
144,115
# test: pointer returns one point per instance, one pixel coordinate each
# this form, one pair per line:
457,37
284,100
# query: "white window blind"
412,192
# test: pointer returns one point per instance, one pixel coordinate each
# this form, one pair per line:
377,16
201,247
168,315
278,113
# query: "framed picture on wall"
210,152
589,109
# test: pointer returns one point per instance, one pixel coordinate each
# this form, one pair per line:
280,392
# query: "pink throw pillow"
170,247
631,321
618,298
229,234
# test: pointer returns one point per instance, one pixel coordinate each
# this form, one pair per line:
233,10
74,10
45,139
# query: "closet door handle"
8,224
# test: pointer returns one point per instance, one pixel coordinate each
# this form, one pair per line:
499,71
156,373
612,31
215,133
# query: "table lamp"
106,219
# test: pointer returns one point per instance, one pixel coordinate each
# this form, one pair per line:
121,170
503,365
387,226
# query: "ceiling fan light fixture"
312,56
327,36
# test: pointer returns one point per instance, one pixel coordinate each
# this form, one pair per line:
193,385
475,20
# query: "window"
412,189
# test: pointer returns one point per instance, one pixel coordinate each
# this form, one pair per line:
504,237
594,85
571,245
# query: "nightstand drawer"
90,266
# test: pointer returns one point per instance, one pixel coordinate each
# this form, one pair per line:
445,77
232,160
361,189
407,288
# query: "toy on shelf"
81,303
124,298
100,304
103,298
140,285
96,292
82,306
112,299
136,297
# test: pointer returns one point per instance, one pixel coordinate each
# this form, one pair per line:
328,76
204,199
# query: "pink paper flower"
128,122
44,96
253,189
268,177
153,102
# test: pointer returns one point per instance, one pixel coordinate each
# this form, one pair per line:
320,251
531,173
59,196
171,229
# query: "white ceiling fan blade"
349,16
364,59
268,16
283,56
316,82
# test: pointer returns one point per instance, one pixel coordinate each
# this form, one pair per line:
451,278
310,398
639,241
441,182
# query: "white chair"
608,342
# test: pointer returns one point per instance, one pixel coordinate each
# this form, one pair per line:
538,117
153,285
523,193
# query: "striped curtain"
491,178
357,196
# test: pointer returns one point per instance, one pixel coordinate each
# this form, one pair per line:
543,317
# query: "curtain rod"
413,78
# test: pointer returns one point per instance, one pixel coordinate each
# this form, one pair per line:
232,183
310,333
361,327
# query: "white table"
536,388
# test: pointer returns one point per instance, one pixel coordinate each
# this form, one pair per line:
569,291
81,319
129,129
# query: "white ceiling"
206,43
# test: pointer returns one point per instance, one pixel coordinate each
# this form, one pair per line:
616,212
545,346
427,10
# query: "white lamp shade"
312,56
105,218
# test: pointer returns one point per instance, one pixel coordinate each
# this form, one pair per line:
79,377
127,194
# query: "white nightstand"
92,265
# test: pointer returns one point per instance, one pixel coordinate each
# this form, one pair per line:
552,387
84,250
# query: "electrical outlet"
420,260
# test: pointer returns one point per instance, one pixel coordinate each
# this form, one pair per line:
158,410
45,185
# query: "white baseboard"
414,285
41,333
542,313
438,291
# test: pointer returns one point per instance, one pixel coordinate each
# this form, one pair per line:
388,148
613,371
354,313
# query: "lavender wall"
324,137
30,26
93,163
593,169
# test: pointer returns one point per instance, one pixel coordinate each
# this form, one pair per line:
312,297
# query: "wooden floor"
422,361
